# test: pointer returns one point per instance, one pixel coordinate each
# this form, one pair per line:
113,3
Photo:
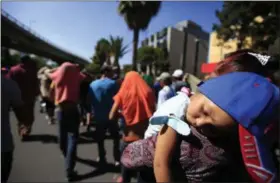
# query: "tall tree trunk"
116,63
135,45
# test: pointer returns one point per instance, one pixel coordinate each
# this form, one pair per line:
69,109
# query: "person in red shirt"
25,75
66,80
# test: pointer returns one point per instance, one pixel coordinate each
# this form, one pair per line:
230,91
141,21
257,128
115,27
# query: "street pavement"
39,159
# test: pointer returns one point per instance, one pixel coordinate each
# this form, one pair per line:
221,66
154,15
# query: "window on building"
162,44
162,33
152,38
145,42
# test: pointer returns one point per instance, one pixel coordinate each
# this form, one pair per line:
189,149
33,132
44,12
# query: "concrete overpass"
17,36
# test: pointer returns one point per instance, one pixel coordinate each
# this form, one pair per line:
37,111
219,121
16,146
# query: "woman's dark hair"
242,61
167,81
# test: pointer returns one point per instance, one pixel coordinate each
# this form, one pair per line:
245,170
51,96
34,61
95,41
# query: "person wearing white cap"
167,91
178,82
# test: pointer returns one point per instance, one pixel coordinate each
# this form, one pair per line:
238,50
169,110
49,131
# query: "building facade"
186,44
218,49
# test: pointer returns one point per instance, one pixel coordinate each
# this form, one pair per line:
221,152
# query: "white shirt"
175,105
164,94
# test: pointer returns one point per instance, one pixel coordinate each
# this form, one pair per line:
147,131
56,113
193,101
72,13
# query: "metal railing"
35,34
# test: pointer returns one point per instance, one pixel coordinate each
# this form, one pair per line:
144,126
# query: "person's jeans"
68,121
50,107
6,165
84,109
101,128
122,124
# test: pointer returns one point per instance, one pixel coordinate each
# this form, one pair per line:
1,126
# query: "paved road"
39,160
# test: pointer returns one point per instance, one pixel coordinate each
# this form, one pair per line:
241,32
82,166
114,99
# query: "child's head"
236,98
209,118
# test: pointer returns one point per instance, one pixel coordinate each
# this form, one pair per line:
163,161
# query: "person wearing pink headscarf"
66,80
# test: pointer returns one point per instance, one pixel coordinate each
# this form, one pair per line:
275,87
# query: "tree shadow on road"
100,169
90,136
85,140
44,138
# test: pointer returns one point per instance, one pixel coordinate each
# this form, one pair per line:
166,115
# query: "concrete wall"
168,38
191,66
190,54
202,56
176,47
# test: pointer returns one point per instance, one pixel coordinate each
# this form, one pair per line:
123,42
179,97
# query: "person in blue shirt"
101,93
157,88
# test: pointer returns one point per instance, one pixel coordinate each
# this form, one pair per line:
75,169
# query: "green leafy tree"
40,61
137,15
127,68
266,32
102,52
93,68
148,55
105,48
117,48
238,21
8,60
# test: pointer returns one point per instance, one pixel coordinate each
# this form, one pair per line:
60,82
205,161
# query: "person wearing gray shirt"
10,97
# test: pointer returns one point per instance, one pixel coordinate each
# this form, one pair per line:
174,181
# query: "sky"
77,26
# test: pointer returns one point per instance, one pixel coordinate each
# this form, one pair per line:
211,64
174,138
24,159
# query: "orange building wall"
217,52
218,49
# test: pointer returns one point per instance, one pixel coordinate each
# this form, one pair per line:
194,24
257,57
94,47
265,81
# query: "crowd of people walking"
225,130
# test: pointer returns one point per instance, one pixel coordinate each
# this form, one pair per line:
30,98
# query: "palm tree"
117,49
102,51
138,15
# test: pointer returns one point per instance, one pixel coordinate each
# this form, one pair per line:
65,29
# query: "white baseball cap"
178,73
163,76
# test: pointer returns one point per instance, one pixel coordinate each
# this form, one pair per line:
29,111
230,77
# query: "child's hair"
241,60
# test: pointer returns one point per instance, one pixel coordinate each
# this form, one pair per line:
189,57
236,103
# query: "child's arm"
165,146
